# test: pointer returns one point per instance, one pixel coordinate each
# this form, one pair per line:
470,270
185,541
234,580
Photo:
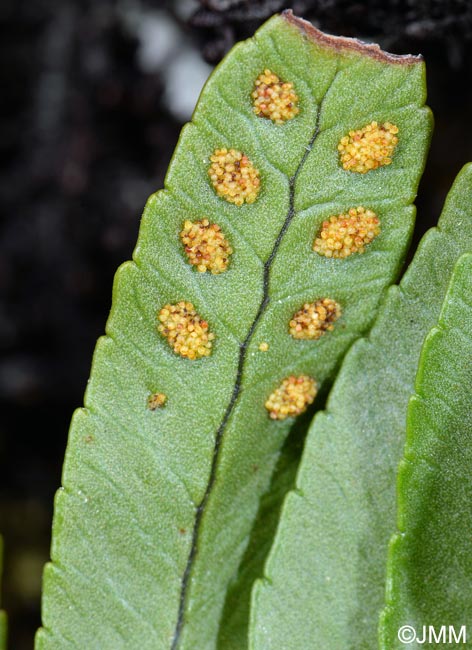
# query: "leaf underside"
235,619
430,559
156,507
325,575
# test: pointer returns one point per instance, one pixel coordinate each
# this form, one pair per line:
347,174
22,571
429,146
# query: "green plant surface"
156,506
3,630
325,575
233,632
430,558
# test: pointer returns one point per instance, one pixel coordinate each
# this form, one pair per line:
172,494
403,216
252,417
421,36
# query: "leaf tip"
344,44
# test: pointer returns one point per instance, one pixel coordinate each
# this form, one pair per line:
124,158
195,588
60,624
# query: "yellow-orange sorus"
206,246
234,177
344,234
314,319
368,148
292,397
264,346
185,331
156,400
274,99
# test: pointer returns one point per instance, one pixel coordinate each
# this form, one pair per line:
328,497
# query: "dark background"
89,120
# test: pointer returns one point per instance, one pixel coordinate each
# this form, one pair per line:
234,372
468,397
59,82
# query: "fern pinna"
286,212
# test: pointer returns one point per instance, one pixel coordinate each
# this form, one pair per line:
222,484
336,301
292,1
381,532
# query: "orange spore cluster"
206,246
344,234
274,99
156,400
292,397
234,177
314,319
186,333
368,148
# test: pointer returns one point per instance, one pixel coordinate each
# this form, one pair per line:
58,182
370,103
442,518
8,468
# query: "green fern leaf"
325,575
430,566
157,503
233,633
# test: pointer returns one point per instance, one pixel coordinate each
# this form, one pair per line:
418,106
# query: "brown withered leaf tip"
340,43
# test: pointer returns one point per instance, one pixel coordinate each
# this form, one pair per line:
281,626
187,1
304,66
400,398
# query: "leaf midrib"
243,347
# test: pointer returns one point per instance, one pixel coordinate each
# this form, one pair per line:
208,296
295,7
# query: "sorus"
185,331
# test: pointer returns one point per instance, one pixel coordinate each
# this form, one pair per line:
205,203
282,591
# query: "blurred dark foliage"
85,137
399,25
